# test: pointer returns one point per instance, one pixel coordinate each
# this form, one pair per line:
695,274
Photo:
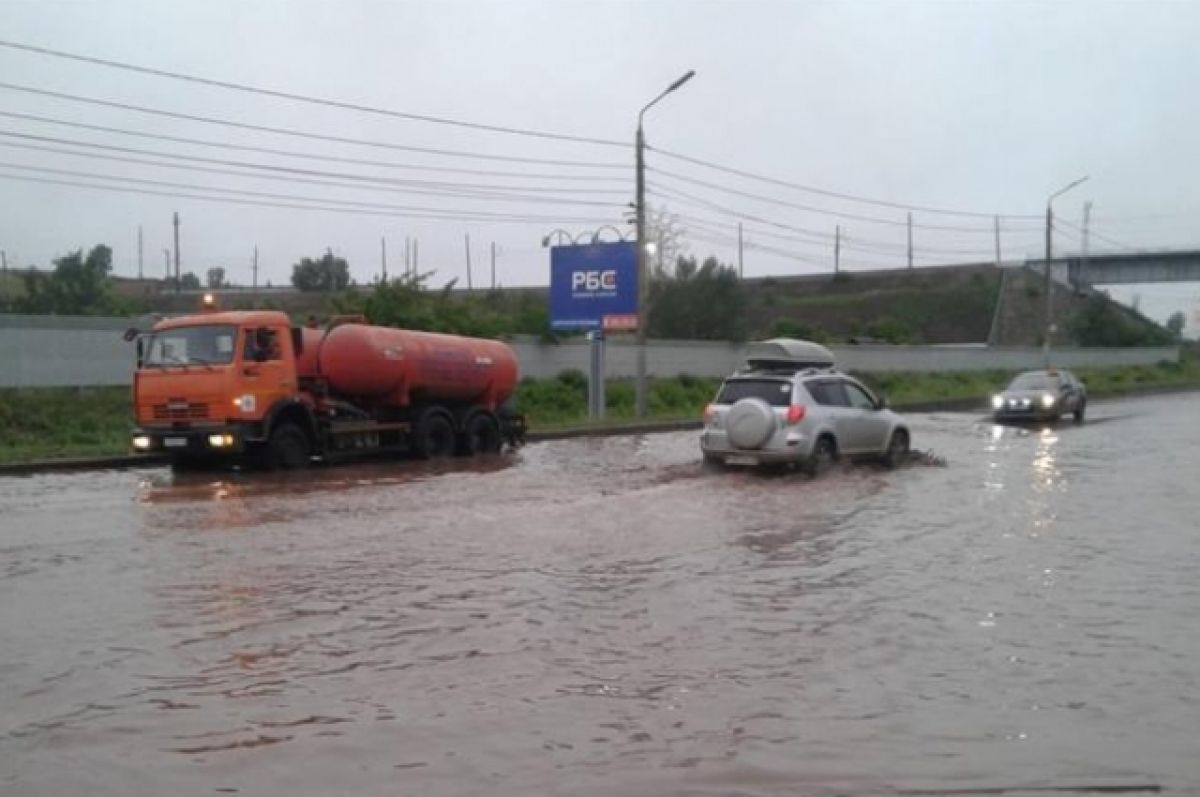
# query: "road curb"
82,463
566,433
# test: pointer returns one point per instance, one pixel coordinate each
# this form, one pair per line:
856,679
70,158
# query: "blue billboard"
594,286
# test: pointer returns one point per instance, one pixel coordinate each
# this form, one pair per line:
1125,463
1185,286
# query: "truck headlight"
1047,401
141,442
997,402
220,440
244,403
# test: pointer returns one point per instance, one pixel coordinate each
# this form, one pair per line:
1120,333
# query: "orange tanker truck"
248,385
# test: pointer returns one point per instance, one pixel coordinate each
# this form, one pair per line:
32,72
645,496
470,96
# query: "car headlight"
141,442
997,402
220,440
244,403
1047,401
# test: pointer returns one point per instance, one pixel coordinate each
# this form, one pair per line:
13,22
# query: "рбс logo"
596,283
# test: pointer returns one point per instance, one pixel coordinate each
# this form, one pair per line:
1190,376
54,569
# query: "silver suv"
791,406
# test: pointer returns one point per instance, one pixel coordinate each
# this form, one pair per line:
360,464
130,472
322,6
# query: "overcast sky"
980,107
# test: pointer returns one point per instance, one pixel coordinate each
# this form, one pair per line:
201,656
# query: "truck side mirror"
297,341
130,334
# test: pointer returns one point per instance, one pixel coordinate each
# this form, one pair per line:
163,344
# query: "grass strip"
58,423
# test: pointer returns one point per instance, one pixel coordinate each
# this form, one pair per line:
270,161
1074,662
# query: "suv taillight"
709,413
795,414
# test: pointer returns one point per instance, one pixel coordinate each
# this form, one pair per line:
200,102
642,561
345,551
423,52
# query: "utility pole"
741,272
1048,310
167,258
416,269
1083,259
1048,320
383,258
642,293
467,240
493,265
996,226
4,261
408,268
139,251
837,249
176,252
910,240
254,273
640,390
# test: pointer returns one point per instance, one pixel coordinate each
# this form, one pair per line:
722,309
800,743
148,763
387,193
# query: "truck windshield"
210,344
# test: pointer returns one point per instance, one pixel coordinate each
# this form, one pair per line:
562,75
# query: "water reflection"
589,615
167,486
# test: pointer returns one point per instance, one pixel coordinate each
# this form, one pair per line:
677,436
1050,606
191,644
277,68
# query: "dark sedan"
1041,396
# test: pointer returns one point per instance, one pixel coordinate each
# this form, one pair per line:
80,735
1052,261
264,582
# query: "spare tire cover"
750,423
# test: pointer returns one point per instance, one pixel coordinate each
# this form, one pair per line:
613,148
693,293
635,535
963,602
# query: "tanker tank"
399,367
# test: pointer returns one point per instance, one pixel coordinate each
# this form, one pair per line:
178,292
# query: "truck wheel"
434,437
481,436
288,448
1079,411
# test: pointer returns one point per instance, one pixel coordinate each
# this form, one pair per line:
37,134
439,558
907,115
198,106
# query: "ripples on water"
594,616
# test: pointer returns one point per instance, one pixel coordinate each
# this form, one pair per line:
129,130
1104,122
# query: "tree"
665,230
700,302
78,286
216,278
328,273
1176,323
1101,323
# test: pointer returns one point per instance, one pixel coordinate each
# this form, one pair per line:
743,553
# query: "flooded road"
596,617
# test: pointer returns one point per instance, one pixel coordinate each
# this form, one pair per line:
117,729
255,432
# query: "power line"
350,106
372,183
829,193
309,155
435,215
825,239
1077,231
242,192
813,209
688,199
285,131
790,255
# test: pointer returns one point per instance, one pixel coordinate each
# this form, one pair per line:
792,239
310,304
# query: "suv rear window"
776,392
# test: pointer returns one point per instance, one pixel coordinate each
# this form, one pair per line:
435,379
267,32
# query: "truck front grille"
180,410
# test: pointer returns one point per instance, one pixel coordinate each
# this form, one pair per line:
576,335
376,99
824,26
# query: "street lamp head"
691,74
1067,188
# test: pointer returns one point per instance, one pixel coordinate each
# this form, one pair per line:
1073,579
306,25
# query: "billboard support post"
594,288
596,375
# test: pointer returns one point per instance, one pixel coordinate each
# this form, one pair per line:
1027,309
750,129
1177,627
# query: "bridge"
1131,268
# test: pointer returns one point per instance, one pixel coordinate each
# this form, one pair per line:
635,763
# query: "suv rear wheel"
823,457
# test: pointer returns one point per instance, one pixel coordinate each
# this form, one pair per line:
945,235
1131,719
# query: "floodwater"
597,617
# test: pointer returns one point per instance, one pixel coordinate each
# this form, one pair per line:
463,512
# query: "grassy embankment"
81,422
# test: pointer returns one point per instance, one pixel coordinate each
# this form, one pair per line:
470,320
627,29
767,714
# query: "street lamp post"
643,315
1048,320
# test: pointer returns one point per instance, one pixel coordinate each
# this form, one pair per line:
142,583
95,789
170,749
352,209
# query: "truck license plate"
741,461
175,442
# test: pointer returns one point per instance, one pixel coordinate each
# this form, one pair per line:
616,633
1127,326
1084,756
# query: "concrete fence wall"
52,351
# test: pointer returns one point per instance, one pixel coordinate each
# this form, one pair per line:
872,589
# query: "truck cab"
216,383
